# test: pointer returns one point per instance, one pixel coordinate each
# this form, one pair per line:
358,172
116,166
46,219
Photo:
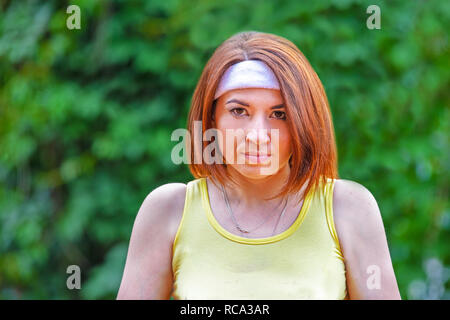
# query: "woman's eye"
279,115
238,111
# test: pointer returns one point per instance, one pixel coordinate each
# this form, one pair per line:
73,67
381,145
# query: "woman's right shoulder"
164,206
168,194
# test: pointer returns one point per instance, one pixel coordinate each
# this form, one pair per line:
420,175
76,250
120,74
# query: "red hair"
309,117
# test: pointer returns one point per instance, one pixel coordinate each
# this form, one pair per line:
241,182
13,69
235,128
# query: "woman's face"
255,118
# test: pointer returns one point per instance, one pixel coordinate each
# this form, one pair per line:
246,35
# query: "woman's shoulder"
355,211
350,194
169,191
362,237
165,204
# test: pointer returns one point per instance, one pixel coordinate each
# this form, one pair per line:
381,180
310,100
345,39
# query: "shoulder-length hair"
309,118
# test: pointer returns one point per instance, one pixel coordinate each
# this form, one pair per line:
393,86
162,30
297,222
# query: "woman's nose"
258,136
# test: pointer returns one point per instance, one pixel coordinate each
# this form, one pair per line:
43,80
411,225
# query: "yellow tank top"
303,262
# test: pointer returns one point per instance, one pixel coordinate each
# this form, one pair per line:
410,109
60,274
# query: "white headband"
247,74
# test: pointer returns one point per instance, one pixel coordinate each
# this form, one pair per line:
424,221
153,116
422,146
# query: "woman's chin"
255,171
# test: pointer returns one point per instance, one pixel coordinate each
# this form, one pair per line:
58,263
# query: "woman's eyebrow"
247,105
237,101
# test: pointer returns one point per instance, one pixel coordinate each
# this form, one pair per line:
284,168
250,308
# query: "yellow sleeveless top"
303,262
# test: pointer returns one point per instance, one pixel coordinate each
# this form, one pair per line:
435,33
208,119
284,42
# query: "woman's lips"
257,157
257,154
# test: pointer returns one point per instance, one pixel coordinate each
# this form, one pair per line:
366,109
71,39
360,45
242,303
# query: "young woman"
271,219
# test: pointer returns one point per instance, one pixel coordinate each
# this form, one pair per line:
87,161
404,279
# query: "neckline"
233,237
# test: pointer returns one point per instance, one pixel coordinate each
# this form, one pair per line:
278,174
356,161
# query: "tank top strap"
328,194
191,204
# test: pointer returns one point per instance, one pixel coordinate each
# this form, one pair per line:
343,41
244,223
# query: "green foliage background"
86,117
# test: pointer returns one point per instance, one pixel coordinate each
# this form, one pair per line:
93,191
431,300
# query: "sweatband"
247,74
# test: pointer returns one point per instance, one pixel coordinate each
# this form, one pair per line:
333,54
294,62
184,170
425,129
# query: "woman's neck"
252,193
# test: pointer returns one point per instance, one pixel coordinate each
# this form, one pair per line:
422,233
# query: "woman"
260,224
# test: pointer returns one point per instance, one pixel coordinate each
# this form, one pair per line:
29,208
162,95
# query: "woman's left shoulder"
354,206
363,241
351,192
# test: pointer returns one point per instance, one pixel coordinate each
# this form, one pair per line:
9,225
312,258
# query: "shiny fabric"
303,262
247,74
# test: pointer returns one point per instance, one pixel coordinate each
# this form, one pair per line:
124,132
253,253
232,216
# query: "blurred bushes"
86,117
